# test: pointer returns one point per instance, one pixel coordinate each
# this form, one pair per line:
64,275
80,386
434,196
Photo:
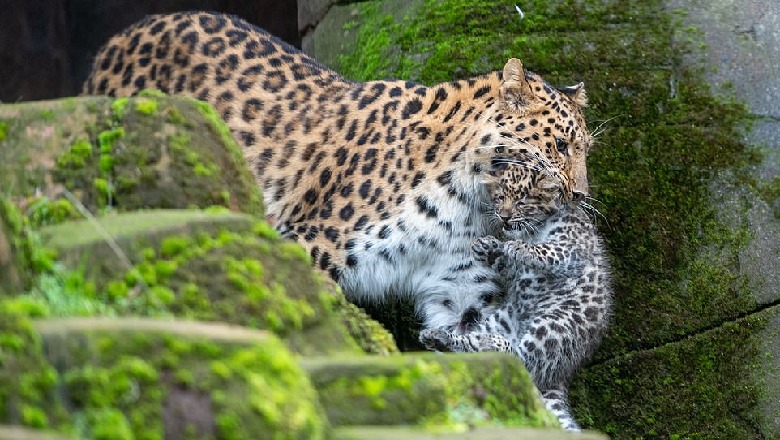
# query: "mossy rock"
26,377
127,153
437,433
125,378
691,388
213,266
452,390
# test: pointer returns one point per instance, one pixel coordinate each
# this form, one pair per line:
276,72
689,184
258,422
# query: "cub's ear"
515,93
577,94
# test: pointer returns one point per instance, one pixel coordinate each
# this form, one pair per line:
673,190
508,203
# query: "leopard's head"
534,117
524,193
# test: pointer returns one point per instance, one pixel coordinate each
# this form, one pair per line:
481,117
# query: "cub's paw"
436,339
487,249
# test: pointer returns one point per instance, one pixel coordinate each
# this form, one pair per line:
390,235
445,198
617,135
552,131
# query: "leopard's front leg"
440,339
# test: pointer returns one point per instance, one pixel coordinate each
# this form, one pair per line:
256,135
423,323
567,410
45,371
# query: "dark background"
47,46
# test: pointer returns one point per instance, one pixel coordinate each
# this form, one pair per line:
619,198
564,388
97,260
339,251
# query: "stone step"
427,388
140,377
212,266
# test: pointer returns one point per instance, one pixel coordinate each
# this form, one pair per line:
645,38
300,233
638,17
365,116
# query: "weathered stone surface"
126,154
743,38
310,12
208,266
430,389
135,378
711,377
483,433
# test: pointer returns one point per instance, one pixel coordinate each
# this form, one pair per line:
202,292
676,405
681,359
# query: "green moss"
108,424
116,383
151,93
27,257
42,211
47,115
27,381
696,374
175,116
265,230
107,139
77,155
372,337
119,108
172,246
146,107
3,130
770,193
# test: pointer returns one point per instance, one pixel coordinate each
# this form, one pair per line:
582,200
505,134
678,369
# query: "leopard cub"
558,288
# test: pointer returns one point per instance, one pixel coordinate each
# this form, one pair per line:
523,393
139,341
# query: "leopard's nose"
578,196
505,218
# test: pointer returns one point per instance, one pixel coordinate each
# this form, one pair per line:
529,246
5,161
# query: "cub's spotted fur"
558,285
380,181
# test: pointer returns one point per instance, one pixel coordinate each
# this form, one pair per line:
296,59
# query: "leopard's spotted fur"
380,181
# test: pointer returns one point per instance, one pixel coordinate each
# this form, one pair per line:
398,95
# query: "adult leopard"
382,182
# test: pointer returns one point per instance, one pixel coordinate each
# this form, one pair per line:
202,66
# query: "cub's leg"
551,348
557,403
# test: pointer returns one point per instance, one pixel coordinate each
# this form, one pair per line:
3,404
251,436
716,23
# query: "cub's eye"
562,146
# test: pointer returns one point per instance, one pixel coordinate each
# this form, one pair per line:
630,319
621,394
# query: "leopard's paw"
436,339
487,249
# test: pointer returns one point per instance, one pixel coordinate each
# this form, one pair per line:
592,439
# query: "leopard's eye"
562,145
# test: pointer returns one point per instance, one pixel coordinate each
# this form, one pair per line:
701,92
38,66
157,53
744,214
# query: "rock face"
690,223
144,296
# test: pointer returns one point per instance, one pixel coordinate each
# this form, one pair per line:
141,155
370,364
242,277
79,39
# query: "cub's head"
533,116
524,193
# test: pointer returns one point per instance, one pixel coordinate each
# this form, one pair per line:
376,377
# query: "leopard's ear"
515,93
577,94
